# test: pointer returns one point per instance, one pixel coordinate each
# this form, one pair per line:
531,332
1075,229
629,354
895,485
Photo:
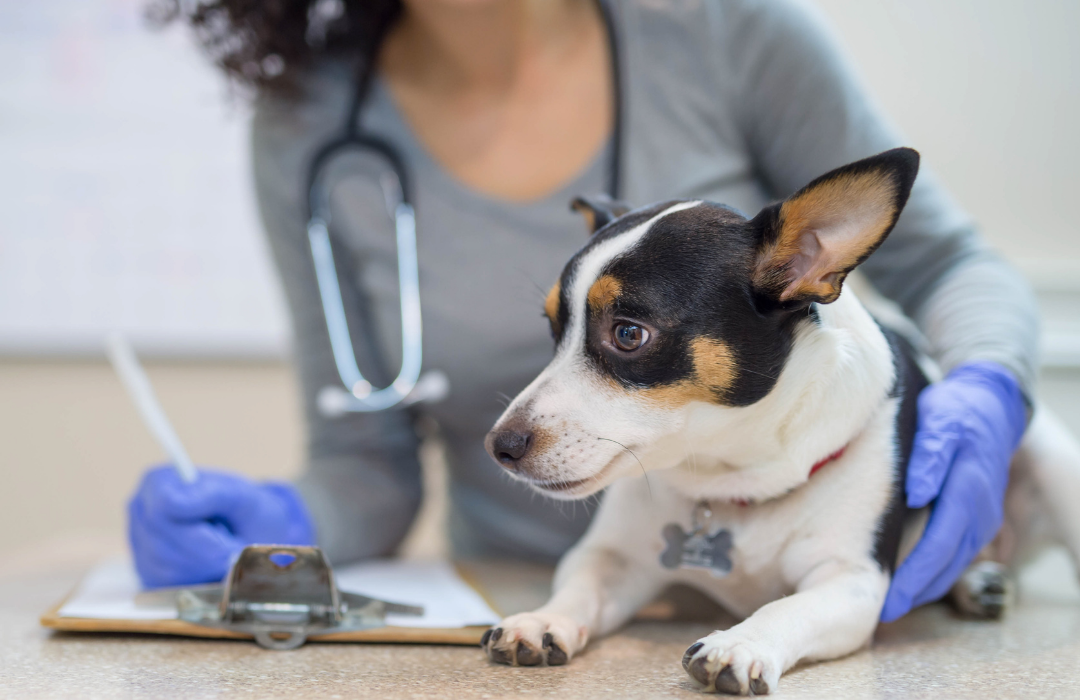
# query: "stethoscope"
357,394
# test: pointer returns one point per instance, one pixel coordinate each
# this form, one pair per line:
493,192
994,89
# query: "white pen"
141,392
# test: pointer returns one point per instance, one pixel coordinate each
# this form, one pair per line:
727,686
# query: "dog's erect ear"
598,210
811,241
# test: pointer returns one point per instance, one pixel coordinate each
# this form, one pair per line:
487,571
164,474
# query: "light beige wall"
72,446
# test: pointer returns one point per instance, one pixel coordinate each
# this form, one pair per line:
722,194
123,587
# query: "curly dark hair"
265,43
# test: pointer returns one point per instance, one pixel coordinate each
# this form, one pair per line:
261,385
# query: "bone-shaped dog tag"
697,549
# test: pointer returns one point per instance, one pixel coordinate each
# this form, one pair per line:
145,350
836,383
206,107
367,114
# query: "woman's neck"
479,46
512,97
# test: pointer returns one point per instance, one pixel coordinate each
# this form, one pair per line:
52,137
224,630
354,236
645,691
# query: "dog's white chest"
763,549
739,560
753,557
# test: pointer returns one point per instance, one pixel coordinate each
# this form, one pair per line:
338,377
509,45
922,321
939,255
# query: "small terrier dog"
774,418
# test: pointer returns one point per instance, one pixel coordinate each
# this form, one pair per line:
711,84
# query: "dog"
772,417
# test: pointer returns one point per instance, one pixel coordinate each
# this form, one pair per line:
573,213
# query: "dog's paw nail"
547,640
758,686
726,682
694,648
527,656
557,655
699,671
485,638
496,634
500,656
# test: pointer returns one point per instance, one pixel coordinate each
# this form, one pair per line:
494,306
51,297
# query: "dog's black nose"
509,446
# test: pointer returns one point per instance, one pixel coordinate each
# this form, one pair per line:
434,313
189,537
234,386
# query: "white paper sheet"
448,601
108,593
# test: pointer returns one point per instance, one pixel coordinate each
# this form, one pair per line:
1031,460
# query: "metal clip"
281,594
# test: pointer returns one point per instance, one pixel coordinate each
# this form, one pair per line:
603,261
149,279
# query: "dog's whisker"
645,473
760,374
539,288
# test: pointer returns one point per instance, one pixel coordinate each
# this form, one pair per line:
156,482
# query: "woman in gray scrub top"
503,110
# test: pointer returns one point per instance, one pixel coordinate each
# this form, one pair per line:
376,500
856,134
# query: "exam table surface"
928,653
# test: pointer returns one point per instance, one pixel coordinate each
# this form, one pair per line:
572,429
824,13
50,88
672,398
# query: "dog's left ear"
811,241
598,210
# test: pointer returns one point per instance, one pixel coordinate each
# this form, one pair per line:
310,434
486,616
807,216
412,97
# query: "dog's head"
685,302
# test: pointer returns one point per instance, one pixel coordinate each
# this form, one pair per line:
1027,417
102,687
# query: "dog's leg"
598,586
597,590
833,613
1051,456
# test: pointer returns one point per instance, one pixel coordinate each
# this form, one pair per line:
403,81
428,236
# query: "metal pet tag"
697,549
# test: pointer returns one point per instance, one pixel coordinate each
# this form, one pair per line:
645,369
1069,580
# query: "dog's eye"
628,336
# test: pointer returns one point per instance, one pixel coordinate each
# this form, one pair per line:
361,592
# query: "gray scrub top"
737,101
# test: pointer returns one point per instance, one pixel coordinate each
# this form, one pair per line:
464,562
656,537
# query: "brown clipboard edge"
464,636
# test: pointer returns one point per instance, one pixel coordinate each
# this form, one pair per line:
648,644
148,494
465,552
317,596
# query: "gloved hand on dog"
185,533
969,426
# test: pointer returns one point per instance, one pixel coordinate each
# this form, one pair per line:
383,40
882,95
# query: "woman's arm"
362,483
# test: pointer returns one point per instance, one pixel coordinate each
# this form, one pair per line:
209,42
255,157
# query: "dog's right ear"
598,210
811,241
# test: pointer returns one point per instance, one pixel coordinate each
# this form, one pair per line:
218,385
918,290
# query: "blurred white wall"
125,190
125,201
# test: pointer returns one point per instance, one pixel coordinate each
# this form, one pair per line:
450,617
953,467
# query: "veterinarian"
502,111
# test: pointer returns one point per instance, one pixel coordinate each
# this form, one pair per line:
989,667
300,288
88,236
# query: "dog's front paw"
732,664
534,639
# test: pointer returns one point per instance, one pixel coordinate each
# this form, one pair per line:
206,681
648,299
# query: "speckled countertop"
1034,653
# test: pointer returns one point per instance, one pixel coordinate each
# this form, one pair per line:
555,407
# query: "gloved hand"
188,533
969,425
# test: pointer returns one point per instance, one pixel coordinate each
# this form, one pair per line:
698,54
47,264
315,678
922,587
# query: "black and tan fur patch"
713,375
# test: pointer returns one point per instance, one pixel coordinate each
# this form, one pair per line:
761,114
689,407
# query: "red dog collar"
831,458
813,470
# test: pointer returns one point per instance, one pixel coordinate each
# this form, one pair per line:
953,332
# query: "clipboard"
280,606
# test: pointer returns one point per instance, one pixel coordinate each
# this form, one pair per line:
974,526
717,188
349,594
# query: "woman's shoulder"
714,19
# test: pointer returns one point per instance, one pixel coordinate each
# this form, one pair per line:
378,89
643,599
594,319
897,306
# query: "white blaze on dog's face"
680,303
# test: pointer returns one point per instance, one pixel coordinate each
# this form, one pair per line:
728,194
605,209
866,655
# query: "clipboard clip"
282,594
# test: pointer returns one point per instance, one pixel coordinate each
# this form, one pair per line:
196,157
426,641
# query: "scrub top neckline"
382,99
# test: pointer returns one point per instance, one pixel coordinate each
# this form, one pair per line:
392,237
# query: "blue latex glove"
188,533
970,424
